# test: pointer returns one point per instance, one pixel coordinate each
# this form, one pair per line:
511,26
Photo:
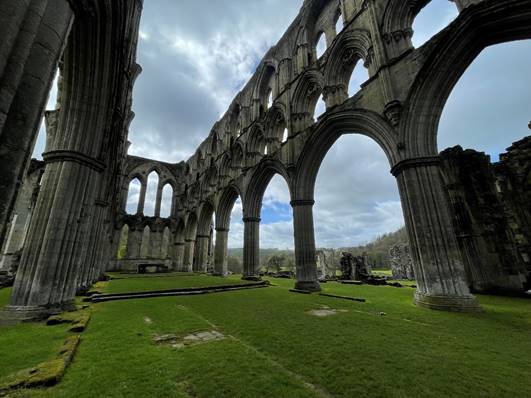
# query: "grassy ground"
385,347
133,283
26,345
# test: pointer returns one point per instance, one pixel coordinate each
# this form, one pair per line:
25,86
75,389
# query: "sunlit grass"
385,347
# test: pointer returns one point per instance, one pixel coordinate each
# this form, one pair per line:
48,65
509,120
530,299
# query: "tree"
234,265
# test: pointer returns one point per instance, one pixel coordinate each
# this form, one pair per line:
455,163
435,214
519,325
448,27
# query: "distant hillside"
377,250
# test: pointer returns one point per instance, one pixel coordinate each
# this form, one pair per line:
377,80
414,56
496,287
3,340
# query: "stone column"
251,248
179,256
33,34
189,248
142,198
439,269
158,201
201,263
305,257
221,252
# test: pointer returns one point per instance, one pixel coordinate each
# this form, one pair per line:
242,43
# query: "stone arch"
265,86
226,202
257,185
276,122
256,143
131,202
353,47
205,218
333,126
166,205
454,51
237,156
304,99
397,24
225,166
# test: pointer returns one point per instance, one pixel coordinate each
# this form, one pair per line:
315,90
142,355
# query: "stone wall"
491,215
21,217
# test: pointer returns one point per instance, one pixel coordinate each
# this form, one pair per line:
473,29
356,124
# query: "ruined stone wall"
21,217
490,216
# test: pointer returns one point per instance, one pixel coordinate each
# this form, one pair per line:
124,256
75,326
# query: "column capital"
222,230
398,168
189,240
251,219
73,156
302,202
203,236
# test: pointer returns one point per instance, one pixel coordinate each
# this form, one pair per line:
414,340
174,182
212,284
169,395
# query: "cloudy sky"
197,54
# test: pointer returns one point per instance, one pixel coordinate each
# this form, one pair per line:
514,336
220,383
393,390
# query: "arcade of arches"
79,207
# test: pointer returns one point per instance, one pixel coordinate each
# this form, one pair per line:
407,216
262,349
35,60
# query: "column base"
310,286
13,314
448,303
221,274
251,278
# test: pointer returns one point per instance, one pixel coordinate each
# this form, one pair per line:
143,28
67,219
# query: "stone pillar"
158,201
439,269
251,248
179,256
201,261
189,248
221,252
305,256
142,198
33,34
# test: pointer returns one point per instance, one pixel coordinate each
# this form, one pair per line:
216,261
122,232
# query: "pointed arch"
354,46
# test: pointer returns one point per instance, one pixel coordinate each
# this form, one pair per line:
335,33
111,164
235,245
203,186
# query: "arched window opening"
276,228
432,19
285,135
238,131
339,24
51,105
320,108
486,112
166,202
266,149
122,245
235,239
360,75
488,108
356,202
270,99
151,194
133,196
320,47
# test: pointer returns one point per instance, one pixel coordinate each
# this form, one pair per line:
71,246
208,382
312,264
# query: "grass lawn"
27,345
385,347
133,283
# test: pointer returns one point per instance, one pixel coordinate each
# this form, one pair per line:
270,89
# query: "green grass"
276,347
24,346
134,283
4,296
